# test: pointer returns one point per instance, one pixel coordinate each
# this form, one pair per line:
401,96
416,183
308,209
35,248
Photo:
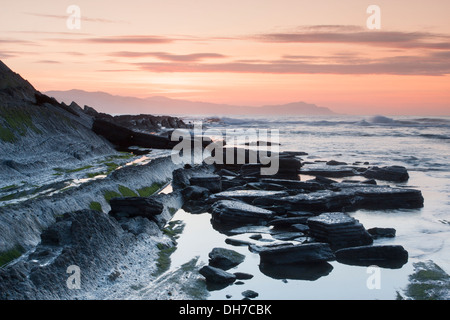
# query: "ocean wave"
337,121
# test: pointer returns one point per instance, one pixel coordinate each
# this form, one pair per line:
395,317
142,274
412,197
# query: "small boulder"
388,256
302,253
135,207
225,258
250,294
377,233
212,182
390,173
216,275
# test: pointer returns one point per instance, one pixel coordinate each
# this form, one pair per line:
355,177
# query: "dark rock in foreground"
391,173
349,197
390,256
302,253
243,276
339,230
135,207
216,275
124,137
250,294
211,182
303,271
225,258
231,212
195,193
382,232
332,172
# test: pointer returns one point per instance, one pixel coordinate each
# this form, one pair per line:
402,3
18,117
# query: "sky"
246,52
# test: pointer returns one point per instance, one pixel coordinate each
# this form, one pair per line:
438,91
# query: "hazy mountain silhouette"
112,104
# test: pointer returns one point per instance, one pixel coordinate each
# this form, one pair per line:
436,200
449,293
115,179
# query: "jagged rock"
88,239
389,256
195,193
217,275
225,258
231,212
302,253
124,137
390,173
349,197
135,207
377,233
196,206
339,230
211,182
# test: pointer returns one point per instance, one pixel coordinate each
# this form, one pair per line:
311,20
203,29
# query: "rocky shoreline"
308,218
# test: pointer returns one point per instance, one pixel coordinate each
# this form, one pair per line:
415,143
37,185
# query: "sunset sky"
247,52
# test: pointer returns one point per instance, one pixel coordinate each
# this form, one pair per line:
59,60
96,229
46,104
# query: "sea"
421,144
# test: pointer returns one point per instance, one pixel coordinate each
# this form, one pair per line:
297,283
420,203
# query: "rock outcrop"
339,230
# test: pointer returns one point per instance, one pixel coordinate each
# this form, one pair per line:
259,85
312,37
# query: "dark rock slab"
336,163
303,271
377,233
212,182
339,230
350,197
135,207
124,137
195,193
286,236
225,258
231,212
332,172
250,294
243,276
300,227
390,173
389,256
196,206
265,186
237,242
246,195
302,253
216,275
282,223
295,185
254,248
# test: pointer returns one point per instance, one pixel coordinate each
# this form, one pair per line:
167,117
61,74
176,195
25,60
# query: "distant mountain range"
112,104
